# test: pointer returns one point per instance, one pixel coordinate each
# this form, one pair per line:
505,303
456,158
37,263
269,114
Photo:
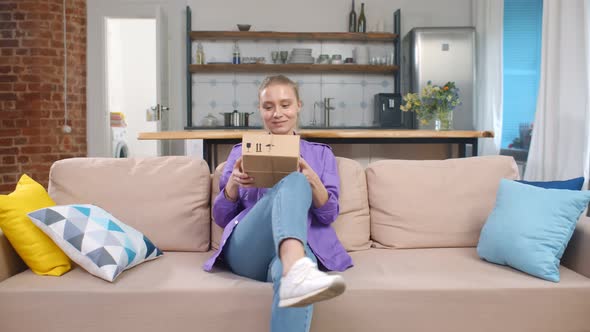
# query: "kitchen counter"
318,133
330,136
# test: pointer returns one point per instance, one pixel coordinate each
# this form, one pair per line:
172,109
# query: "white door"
128,84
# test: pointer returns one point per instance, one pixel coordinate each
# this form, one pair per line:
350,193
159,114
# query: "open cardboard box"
269,158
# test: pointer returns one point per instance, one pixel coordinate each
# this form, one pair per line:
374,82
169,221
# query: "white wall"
325,15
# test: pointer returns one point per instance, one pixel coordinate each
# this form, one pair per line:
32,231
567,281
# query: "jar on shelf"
210,121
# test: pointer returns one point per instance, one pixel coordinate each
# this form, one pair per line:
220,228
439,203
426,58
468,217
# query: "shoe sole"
322,294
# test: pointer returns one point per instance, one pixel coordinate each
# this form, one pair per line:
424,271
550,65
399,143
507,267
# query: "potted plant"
434,103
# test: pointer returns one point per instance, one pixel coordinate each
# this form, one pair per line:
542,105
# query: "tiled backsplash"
353,93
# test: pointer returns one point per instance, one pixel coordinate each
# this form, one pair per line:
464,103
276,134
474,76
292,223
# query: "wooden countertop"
317,133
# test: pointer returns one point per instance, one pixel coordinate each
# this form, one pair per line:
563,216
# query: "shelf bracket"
397,17
189,77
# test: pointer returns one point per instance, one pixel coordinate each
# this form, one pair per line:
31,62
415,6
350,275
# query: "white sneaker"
304,284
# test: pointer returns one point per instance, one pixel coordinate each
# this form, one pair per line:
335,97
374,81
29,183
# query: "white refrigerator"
441,55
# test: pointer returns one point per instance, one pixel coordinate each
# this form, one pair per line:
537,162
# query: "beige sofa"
411,227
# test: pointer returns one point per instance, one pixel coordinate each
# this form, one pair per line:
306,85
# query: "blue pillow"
530,227
572,184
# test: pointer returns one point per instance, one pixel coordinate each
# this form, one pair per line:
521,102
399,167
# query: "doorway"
128,73
131,84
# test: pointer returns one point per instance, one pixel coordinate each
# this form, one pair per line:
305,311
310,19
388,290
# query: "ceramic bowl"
244,27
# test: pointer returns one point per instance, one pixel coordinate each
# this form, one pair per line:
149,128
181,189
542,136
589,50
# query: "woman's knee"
298,181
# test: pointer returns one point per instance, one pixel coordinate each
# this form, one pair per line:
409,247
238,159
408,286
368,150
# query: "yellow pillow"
35,248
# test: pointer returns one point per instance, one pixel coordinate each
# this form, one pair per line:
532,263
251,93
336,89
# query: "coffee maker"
387,112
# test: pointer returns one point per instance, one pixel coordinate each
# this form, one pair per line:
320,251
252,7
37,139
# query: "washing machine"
120,146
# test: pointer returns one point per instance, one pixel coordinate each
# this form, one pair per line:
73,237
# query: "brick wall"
32,109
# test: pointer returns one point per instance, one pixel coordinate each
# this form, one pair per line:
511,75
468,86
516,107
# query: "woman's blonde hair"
279,80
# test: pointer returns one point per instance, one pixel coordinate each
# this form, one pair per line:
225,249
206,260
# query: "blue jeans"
252,248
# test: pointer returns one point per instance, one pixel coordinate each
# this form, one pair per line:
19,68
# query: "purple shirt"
321,237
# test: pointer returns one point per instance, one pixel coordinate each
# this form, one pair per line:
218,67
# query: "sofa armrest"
10,262
577,254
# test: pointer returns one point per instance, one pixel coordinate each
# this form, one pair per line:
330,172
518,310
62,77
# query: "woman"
279,234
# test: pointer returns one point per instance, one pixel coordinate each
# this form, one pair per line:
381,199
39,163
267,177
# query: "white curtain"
488,18
560,146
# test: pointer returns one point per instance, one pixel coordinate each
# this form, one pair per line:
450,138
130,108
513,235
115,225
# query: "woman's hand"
318,191
306,170
237,179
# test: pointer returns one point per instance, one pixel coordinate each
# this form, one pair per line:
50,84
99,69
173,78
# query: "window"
523,21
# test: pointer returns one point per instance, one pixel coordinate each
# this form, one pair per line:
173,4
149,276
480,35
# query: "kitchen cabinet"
192,69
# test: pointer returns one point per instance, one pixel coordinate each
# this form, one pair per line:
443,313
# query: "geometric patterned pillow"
94,239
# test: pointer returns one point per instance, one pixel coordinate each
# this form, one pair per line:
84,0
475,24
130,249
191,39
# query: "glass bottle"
200,55
236,59
352,20
362,26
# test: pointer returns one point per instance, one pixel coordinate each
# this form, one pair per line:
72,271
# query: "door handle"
154,113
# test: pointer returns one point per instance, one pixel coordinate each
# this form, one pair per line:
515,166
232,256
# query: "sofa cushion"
10,262
434,203
172,293
530,227
166,198
95,239
411,290
451,290
571,184
34,247
216,231
352,225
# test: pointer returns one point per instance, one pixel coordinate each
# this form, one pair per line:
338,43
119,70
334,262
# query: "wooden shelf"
299,68
341,36
191,35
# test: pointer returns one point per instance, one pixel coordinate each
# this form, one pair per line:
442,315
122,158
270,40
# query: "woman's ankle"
290,251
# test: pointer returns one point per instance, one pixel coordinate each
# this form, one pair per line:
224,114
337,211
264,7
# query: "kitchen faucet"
316,105
327,109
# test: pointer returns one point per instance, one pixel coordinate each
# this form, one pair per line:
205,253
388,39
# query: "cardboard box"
269,158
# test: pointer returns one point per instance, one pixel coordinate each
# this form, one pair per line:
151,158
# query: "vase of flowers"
443,120
435,103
